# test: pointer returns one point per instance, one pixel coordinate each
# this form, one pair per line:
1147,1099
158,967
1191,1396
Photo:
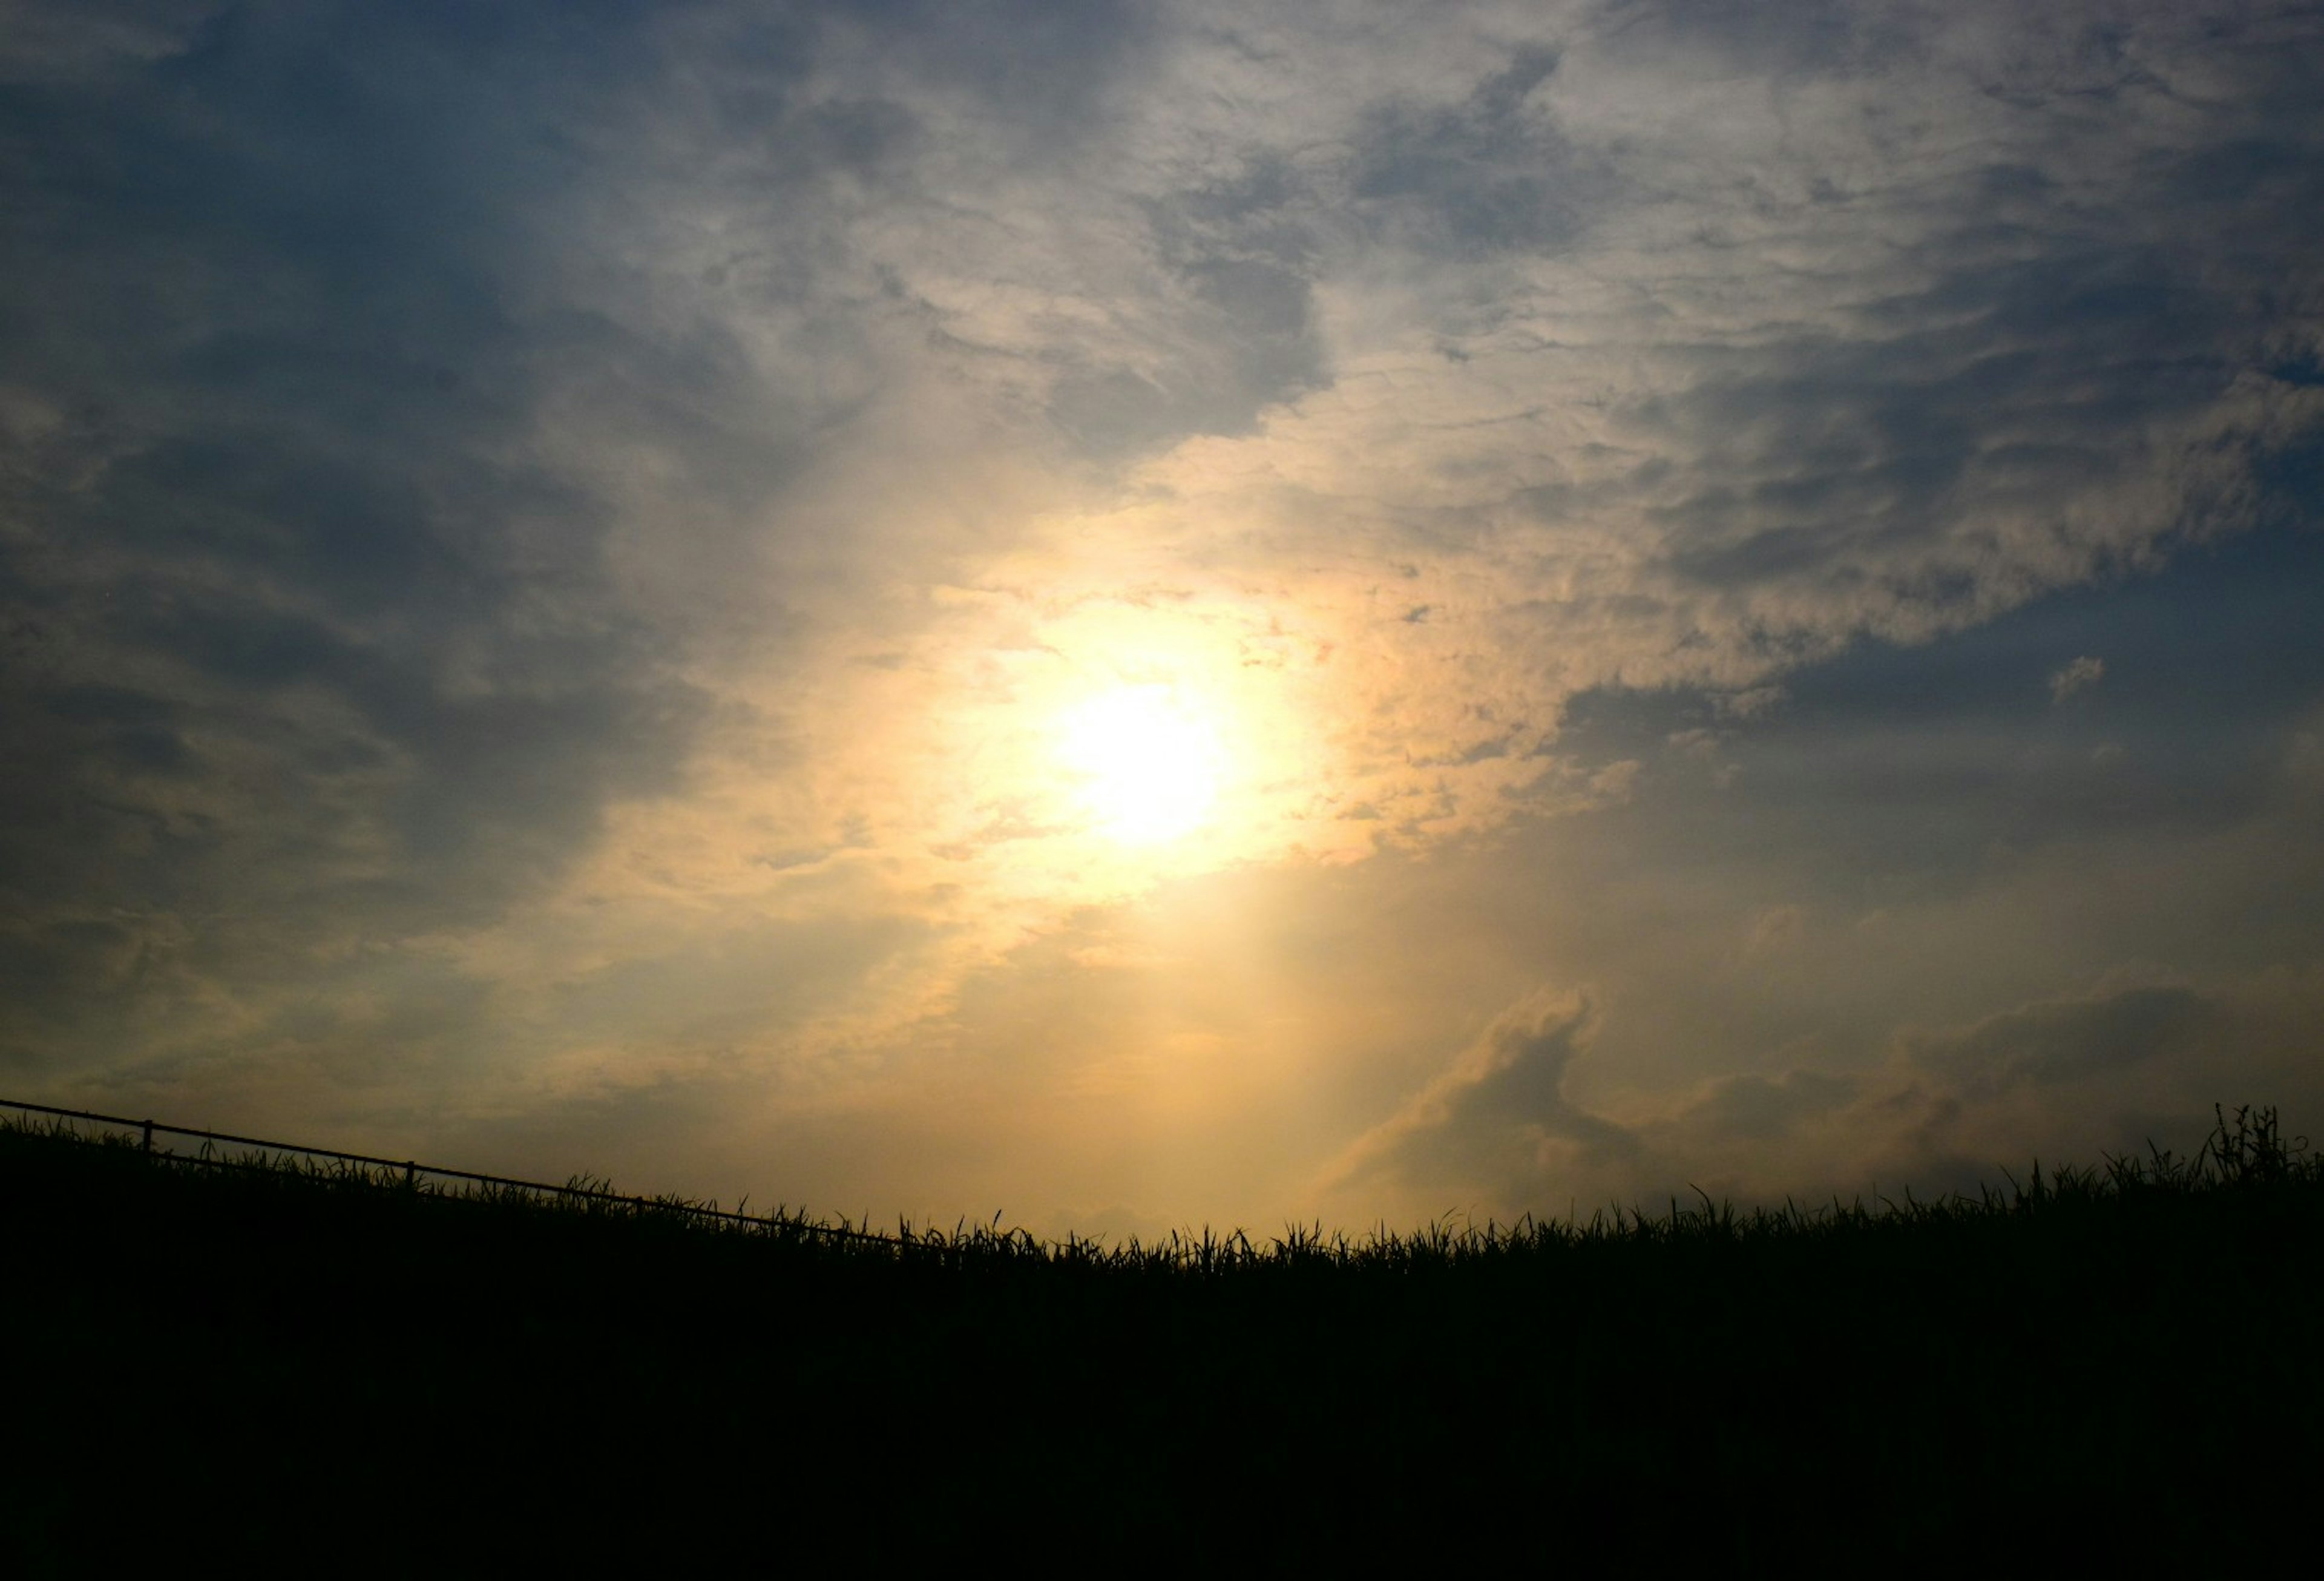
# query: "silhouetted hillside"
2120,1360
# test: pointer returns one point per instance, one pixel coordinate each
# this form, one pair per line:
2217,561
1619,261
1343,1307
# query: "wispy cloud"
2079,676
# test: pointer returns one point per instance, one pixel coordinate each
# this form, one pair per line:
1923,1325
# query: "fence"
412,1170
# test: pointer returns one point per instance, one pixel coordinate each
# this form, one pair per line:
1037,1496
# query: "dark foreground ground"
263,1369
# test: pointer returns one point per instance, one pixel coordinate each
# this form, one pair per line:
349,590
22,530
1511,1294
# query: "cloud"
2064,1041
2079,676
1358,314
1769,474
1947,1106
1764,1108
590,518
1497,1118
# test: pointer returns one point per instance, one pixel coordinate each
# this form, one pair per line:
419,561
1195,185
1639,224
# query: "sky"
1145,615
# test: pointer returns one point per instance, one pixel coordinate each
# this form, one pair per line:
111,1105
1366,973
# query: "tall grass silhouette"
2120,1357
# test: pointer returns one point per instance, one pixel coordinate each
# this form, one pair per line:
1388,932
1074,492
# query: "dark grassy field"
2121,1362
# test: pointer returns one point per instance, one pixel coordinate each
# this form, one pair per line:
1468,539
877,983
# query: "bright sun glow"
1146,767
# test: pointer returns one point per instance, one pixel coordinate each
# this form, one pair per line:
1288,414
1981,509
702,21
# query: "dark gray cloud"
310,641
1476,177
2064,1041
2105,1073
1766,1108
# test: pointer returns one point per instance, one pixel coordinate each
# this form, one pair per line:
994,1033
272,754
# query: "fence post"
149,1136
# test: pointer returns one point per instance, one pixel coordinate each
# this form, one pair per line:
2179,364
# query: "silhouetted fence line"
412,1170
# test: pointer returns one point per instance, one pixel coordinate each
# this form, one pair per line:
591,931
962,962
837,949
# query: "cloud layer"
542,552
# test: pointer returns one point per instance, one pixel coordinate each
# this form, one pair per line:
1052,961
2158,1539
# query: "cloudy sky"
1161,614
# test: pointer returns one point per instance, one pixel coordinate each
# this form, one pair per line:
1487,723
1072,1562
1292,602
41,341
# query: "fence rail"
412,1170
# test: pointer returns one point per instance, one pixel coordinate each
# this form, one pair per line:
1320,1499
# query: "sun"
1144,765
